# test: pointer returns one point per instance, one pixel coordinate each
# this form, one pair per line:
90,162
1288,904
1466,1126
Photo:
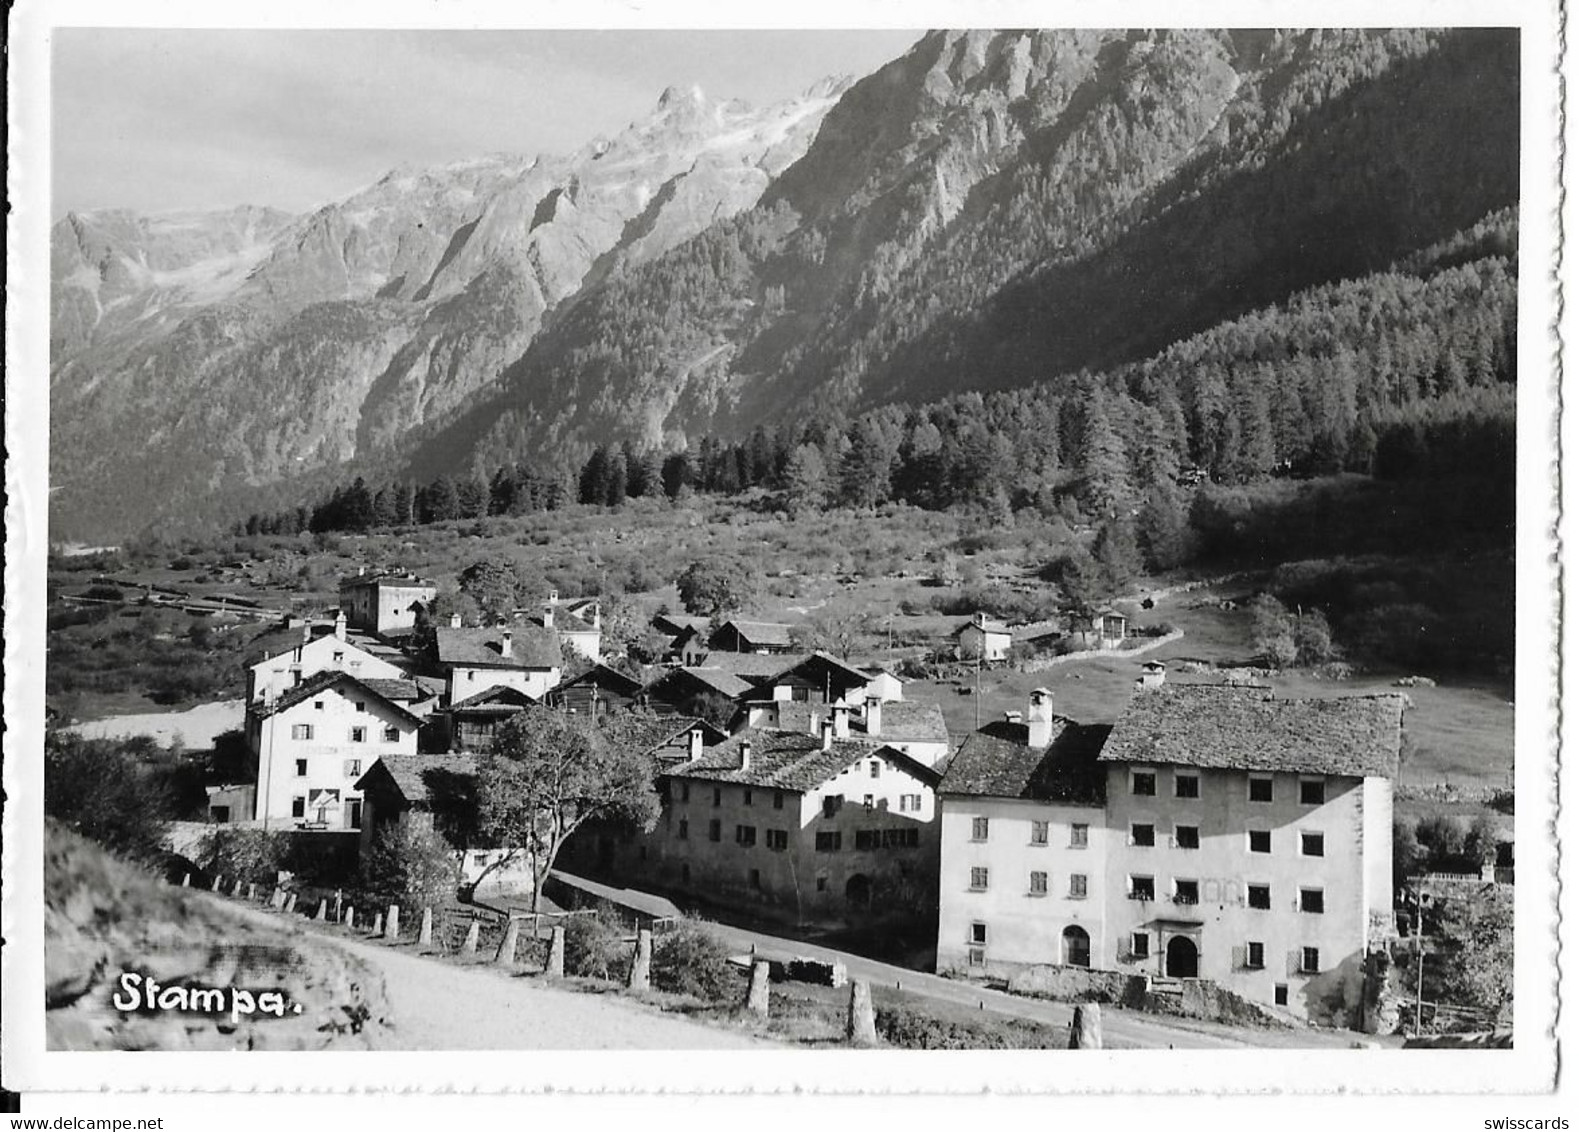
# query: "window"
301,731
1143,783
1255,954
1186,892
745,836
866,800
978,829
877,768
715,830
1079,836
1259,896
361,705
1312,900
684,831
978,933
1312,791
1187,836
1186,786
756,878
1142,888
1038,884
391,734
910,803
778,840
865,839
778,799
745,797
1260,788
1280,994
718,795
317,705
831,804
298,807
1077,886
1313,844
1309,960
978,880
1260,840
338,657
1139,945
358,734
685,791
1141,833
301,768
353,767
1038,833
829,842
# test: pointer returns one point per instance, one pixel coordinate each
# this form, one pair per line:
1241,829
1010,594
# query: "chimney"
693,739
874,716
1152,674
841,721
827,734
553,597
548,609
504,645
597,616
1013,715
1039,720
361,571
745,752
455,621
339,625
307,635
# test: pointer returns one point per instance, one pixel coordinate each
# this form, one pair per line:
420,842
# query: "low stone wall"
1078,984
1039,664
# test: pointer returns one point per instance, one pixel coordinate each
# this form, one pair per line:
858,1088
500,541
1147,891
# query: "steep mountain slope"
998,207
250,346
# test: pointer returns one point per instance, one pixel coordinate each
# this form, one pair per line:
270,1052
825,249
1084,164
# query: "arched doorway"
858,891
1183,958
1077,947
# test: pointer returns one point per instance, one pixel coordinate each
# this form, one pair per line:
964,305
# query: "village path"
1120,1028
439,1006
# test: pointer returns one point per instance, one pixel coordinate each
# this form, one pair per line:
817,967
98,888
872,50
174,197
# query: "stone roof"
416,775
531,646
747,665
406,690
499,698
330,678
786,760
998,762
602,676
910,722
766,633
714,679
985,624
1237,728
385,578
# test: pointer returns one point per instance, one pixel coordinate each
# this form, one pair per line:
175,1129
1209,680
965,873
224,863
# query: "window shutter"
1293,961
1241,956
1211,891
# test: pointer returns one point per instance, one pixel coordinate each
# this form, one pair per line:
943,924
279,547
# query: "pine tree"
806,482
1104,463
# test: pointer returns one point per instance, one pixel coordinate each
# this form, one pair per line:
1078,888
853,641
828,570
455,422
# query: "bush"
107,791
595,947
915,1029
254,855
410,865
689,960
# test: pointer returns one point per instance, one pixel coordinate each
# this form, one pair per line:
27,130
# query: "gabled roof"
785,760
905,721
985,624
813,663
1236,728
710,679
418,778
500,696
604,677
766,633
531,646
675,625
998,762
664,729
323,681
565,621
399,690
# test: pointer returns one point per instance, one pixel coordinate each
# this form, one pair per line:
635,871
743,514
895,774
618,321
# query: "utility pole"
1419,955
978,693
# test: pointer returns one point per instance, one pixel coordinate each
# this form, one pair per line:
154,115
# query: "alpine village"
1014,550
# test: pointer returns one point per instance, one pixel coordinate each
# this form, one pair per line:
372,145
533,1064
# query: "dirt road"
439,1006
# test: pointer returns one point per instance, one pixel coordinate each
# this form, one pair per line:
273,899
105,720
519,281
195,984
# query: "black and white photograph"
853,544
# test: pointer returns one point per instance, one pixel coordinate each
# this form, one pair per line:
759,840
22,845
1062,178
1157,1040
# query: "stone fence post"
860,1026
758,995
641,961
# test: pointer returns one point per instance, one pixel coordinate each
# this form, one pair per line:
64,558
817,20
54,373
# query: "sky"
156,119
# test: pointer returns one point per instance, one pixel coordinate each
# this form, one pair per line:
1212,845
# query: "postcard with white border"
867,549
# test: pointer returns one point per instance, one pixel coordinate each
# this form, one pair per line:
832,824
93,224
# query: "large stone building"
386,602
275,675
1216,832
522,656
